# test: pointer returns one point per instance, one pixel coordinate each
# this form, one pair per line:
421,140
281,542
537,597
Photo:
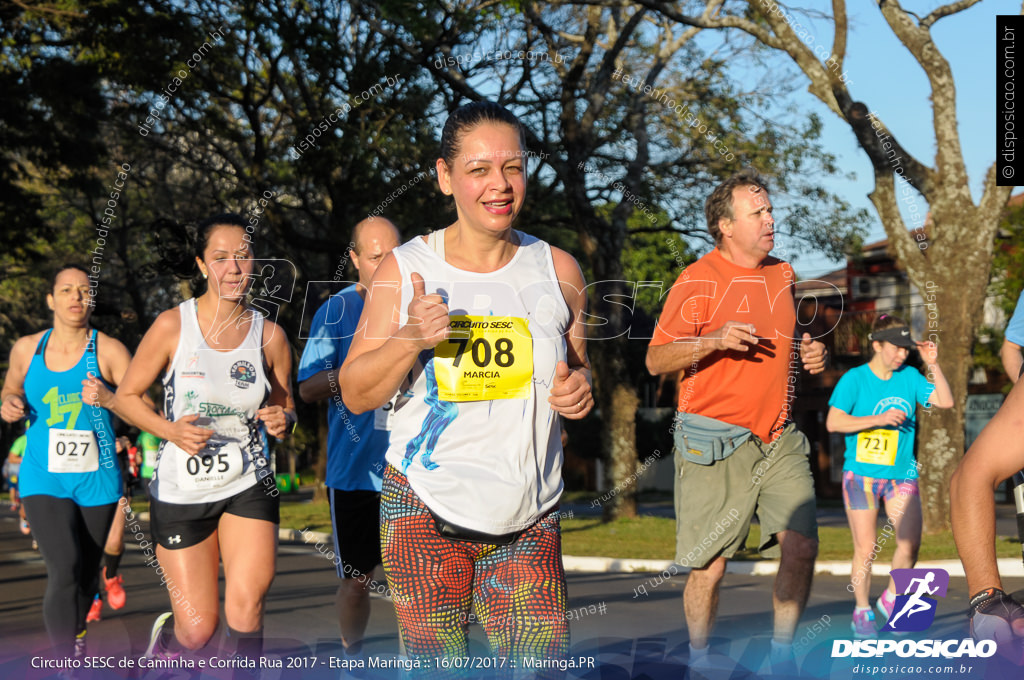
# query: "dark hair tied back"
180,244
468,116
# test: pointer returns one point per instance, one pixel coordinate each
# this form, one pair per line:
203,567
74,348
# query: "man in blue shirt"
355,443
1010,352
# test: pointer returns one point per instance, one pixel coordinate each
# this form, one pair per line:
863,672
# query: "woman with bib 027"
874,405
213,497
70,479
478,328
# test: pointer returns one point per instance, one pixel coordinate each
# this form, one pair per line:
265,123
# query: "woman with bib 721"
874,405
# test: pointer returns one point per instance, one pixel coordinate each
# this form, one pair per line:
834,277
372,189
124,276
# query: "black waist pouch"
457,533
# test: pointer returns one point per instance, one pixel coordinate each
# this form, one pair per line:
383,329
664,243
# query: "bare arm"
813,354
382,353
942,395
839,420
996,454
152,357
13,394
279,413
318,386
1010,353
114,359
685,352
572,391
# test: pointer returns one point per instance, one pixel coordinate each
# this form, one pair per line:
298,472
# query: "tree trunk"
954,304
614,387
940,431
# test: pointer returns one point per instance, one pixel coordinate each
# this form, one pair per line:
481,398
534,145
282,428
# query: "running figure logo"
914,610
440,416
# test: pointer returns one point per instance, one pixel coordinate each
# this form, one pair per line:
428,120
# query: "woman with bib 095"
478,329
213,497
874,405
70,479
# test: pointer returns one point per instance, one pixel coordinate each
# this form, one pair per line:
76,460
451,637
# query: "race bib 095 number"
209,470
485,357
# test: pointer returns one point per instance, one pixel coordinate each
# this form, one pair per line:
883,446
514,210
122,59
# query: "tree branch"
950,170
946,10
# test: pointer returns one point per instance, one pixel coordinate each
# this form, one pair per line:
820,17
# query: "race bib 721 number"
877,447
485,357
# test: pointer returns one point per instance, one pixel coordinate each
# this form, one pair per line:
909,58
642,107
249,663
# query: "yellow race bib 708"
485,357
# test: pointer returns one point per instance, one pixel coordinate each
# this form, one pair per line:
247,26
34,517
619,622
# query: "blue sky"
889,81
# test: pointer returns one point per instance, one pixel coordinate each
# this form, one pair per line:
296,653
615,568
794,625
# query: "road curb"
1008,566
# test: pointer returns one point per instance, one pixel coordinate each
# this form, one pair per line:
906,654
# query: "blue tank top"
71,451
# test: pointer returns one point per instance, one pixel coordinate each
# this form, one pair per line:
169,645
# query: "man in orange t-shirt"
729,326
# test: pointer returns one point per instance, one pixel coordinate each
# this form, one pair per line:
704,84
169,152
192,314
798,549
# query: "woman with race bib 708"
874,404
477,327
226,386
70,480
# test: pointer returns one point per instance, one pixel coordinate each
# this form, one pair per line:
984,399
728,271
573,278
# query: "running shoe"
782,660
95,611
115,590
863,623
78,651
25,529
885,604
155,648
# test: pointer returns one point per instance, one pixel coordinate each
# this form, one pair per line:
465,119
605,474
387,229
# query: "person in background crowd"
875,405
729,327
226,386
69,480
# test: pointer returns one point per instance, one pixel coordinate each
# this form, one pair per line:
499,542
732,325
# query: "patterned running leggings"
518,590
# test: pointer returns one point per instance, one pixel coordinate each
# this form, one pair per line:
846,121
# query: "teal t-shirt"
887,452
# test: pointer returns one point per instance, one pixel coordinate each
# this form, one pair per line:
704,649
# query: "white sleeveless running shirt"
473,430
225,388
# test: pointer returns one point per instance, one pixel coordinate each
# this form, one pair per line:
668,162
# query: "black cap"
897,335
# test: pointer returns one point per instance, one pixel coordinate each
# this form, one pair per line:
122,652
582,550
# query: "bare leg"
863,527
115,537
192,572
700,601
248,549
793,582
905,514
353,603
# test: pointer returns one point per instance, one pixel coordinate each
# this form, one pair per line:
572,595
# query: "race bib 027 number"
877,447
485,357
73,451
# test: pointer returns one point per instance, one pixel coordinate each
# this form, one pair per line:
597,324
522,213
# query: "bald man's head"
374,238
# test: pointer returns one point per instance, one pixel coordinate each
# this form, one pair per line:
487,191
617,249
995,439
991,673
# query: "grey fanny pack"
704,440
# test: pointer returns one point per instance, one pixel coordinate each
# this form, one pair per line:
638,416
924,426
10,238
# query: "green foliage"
1005,284
334,110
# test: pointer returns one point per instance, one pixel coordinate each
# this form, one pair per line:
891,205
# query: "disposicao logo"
914,610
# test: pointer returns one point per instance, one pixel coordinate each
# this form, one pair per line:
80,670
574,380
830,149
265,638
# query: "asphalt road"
615,626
